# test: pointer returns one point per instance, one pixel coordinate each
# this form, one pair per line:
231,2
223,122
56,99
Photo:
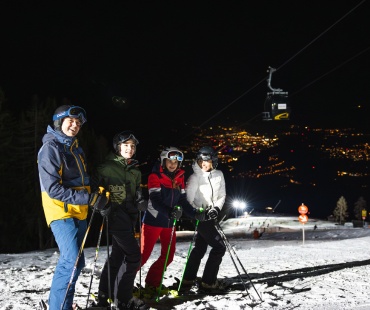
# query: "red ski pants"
149,236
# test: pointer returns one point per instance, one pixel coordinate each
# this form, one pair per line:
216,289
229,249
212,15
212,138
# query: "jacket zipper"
79,163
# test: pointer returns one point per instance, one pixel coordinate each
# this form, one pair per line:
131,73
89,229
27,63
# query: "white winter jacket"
205,189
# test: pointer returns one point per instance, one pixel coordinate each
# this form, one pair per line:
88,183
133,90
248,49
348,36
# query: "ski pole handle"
176,213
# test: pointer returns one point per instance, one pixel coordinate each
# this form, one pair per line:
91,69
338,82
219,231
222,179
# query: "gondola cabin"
276,103
276,106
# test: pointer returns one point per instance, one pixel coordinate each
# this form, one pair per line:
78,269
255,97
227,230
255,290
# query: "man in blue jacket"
65,191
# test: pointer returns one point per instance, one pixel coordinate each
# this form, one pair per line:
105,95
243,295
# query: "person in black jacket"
121,177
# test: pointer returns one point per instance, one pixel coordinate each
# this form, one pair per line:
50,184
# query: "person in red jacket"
167,200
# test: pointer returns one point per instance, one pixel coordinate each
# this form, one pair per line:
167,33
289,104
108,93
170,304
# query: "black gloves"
140,202
142,205
212,213
176,213
200,214
105,212
99,200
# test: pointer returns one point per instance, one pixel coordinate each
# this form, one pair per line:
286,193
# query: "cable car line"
232,102
317,79
281,66
320,35
330,71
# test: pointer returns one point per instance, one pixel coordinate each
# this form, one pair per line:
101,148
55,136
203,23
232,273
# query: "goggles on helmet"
126,135
175,155
204,156
73,112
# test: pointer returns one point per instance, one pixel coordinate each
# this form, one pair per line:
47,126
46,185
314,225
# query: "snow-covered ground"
290,268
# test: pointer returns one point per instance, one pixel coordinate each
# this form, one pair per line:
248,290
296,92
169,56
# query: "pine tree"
7,130
360,205
340,212
24,181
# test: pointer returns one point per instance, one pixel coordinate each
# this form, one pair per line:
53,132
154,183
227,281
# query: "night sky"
197,62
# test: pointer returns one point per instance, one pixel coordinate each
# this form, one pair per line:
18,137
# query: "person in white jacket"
205,188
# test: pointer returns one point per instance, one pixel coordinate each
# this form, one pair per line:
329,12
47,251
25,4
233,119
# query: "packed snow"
317,265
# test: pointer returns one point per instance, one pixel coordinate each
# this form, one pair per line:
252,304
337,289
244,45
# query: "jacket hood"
157,168
198,171
52,134
121,160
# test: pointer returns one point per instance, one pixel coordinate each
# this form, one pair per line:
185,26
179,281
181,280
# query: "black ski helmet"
68,111
208,153
121,137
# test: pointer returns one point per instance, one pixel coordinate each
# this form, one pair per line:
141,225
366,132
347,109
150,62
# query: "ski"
93,305
169,301
173,298
231,288
44,306
201,294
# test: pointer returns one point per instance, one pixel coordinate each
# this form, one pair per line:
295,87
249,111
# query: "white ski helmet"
172,153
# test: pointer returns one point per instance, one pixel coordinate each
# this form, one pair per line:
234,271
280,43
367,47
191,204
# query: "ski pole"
240,263
140,252
108,266
230,248
189,251
96,196
95,259
77,259
227,244
165,263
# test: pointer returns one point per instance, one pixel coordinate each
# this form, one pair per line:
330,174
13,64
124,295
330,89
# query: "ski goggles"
127,135
73,112
205,156
175,155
